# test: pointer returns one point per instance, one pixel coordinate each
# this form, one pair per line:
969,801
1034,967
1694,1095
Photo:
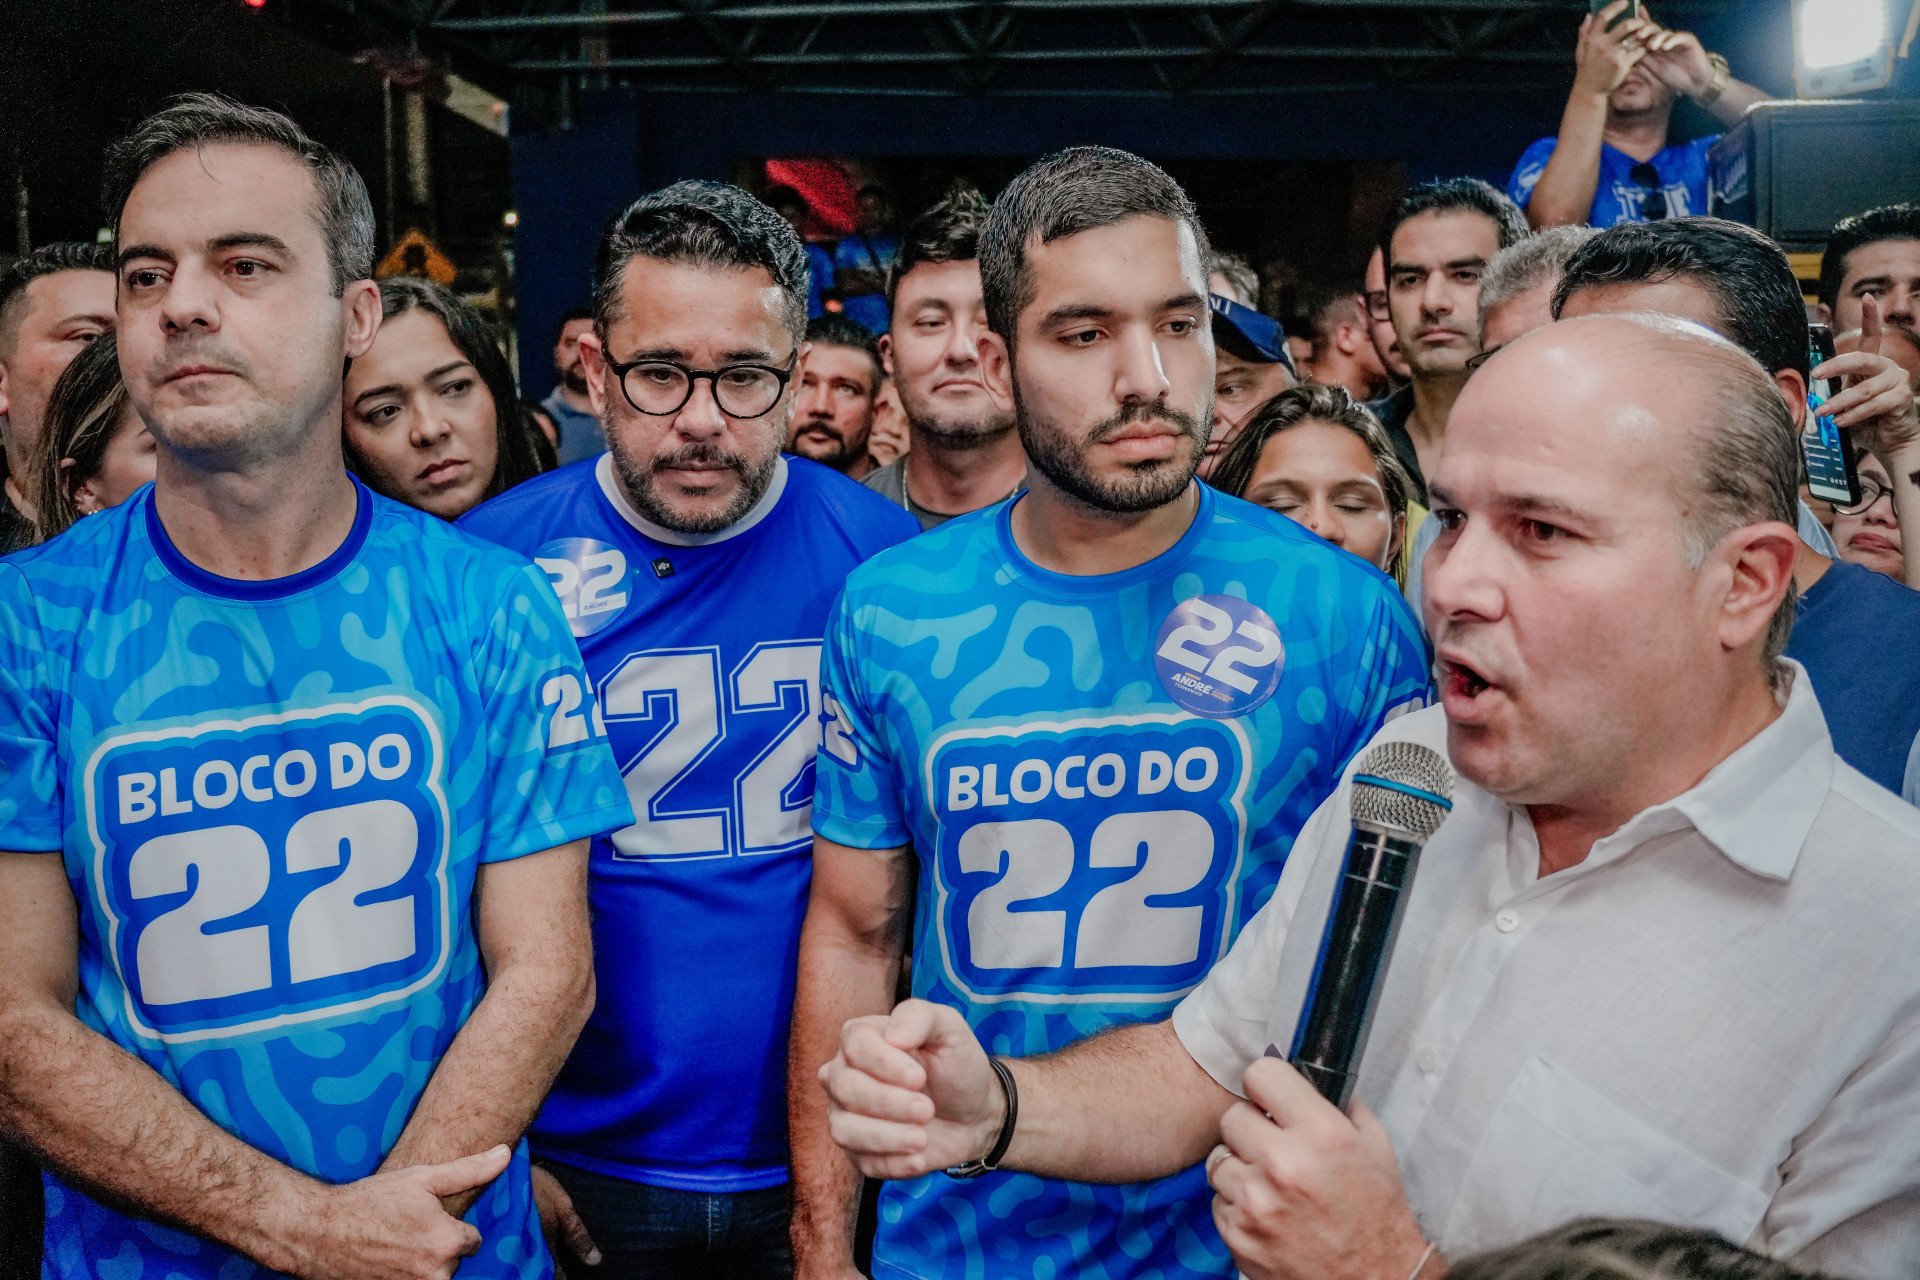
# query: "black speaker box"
1793,169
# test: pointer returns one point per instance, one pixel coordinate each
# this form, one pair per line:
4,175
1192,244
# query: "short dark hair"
1888,222
703,224
1063,195
580,311
835,330
1600,1249
342,209
47,260
1751,281
1458,195
948,232
521,448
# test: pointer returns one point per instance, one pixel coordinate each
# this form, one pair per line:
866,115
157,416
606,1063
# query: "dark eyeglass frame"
1653,205
1375,302
1871,491
783,374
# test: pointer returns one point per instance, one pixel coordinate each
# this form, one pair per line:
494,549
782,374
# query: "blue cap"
1249,334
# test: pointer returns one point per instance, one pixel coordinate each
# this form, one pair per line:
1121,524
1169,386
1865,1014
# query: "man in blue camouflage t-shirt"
1074,734
296,786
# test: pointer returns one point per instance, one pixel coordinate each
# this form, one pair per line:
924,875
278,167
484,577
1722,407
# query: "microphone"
1402,792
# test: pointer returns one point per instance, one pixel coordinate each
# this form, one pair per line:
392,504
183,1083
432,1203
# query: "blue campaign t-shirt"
1618,198
1101,777
874,253
705,652
273,800
1857,633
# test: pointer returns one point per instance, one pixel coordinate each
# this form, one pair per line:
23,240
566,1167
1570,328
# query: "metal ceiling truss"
1050,48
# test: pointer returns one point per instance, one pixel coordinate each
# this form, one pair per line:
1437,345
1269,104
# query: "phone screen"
1831,472
1631,11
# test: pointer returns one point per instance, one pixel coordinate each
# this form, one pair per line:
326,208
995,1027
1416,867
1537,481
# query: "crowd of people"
882,732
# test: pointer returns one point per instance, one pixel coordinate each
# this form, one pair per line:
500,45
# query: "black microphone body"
1361,929
1401,794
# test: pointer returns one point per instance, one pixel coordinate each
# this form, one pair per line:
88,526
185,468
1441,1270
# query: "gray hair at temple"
703,224
1744,450
1540,259
192,120
1066,193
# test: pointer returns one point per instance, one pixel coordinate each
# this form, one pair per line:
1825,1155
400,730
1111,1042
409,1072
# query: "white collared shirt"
1713,1020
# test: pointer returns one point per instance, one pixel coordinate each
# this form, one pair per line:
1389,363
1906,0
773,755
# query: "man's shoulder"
523,511
860,509
889,481
1862,590
948,560
453,555
1245,527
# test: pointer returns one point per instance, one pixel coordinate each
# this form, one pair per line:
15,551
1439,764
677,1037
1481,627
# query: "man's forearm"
496,1073
1122,1106
104,1119
1564,194
1734,100
839,978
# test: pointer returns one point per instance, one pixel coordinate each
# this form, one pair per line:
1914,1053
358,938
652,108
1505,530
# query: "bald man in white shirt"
1660,962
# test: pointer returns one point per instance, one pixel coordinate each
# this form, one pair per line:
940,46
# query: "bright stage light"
1841,46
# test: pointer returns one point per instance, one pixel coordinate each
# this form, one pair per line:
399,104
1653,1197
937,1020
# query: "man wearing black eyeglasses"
697,566
1611,161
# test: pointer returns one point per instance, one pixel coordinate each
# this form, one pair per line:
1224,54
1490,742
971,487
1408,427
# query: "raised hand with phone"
1611,160
1874,406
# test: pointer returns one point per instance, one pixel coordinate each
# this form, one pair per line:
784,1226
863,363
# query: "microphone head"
1403,788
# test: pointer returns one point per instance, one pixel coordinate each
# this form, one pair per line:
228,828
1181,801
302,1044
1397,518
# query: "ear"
885,344
1823,313
86,494
996,370
360,306
1793,389
593,360
5,389
1759,560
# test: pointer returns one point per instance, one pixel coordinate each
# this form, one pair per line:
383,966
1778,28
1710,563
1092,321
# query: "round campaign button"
1219,656
590,578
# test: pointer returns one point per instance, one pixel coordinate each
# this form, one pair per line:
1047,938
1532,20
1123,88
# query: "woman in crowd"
1600,1249
1869,534
432,418
94,450
1316,456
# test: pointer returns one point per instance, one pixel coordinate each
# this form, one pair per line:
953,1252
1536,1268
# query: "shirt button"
1428,1060
1507,921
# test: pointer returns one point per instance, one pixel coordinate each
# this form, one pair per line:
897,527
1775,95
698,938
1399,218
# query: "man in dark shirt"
1442,236
53,302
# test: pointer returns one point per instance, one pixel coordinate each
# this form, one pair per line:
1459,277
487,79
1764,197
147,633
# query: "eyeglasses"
1871,491
1653,204
1376,304
662,387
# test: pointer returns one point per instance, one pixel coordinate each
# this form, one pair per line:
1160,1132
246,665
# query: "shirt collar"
1759,804
617,498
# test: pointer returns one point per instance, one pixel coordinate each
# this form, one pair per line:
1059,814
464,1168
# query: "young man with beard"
698,567
1611,161
1441,239
838,389
964,453
568,405
1074,734
293,929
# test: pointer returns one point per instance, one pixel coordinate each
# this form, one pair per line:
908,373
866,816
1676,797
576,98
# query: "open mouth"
1462,681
